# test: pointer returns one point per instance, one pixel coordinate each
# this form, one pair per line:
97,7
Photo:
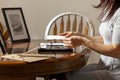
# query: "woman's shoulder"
117,13
116,16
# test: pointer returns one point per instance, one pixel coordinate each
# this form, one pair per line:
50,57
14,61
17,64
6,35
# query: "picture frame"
2,43
16,24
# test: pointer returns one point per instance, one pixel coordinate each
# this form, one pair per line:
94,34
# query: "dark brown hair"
109,7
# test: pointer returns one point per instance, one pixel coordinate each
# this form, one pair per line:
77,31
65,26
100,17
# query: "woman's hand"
68,34
73,39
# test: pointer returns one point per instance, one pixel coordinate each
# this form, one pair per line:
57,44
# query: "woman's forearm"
96,39
105,49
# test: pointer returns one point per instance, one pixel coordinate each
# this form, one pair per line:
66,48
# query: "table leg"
48,78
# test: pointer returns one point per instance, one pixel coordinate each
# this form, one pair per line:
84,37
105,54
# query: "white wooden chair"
69,21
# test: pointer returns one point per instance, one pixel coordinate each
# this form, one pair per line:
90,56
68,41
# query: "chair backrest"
1,28
70,21
4,32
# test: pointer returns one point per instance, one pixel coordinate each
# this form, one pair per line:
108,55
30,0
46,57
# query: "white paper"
43,55
44,45
22,58
56,37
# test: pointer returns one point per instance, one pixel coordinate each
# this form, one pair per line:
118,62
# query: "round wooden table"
20,70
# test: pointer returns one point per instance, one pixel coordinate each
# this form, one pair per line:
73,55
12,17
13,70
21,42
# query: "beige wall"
39,12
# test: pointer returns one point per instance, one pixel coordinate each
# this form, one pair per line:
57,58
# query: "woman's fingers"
69,45
67,42
67,34
63,34
72,39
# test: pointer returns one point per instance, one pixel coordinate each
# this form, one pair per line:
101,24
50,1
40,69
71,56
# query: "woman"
108,45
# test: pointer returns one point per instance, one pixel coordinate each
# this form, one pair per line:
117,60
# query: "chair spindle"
80,25
68,24
74,24
6,35
86,29
1,28
62,25
55,28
